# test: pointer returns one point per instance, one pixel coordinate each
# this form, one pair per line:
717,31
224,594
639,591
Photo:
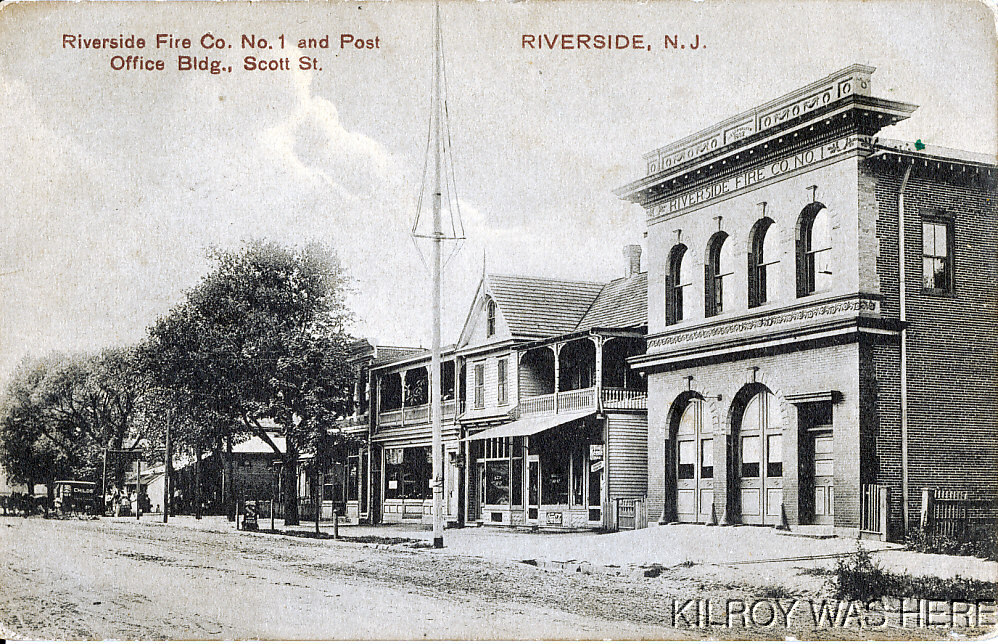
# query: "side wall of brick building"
952,345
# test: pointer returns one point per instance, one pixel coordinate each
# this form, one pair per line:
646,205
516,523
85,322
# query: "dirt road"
99,579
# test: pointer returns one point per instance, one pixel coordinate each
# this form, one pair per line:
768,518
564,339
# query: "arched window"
763,254
679,277
490,309
720,264
814,251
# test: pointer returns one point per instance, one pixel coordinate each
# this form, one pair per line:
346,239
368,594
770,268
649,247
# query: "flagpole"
436,409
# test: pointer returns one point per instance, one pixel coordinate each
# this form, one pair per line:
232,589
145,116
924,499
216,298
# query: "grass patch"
654,570
311,534
772,591
858,577
980,541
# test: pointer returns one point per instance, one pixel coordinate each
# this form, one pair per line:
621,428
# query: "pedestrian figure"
115,501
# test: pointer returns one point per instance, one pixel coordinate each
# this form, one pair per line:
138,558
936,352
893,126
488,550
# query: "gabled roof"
622,303
538,307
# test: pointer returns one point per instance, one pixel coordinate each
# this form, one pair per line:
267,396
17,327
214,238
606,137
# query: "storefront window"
501,471
579,458
365,465
497,483
407,473
353,476
554,484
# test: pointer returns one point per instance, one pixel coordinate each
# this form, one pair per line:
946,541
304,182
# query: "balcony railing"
543,404
577,399
356,420
581,399
620,398
392,417
567,401
415,415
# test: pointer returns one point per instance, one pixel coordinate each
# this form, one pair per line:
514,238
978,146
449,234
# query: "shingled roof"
541,307
387,355
623,303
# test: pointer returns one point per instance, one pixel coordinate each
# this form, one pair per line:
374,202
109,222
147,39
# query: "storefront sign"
554,518
596,452
752,176
393,485
597,466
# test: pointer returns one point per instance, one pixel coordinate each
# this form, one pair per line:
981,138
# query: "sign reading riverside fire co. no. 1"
757,174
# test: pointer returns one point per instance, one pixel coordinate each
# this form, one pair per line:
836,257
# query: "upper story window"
814,250
720,265
480,385
678,278
937,254
501,389
490,314
763,255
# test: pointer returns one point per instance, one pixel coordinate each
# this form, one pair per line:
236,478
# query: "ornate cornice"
853,80
854,306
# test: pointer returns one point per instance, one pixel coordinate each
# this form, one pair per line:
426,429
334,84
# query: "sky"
116,183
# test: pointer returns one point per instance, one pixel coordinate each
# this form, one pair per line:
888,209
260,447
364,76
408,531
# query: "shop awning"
530,425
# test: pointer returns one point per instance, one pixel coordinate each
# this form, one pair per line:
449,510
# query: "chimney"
633,254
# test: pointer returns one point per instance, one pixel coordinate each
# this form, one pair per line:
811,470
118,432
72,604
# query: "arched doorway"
759,460
693,462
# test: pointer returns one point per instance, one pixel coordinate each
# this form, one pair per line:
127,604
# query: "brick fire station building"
821,316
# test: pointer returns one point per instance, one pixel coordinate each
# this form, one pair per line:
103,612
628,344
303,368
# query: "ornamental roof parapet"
854,80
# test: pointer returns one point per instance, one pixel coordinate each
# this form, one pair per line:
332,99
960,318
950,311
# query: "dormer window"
490,314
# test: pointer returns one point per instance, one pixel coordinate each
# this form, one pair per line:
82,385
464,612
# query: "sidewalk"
664,545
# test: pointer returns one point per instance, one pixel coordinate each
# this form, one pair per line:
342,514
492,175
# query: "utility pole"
436,409
103,482
167,468
138,486
197,482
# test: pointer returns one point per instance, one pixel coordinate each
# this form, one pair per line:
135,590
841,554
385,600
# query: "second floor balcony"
582,373
414,414
581,399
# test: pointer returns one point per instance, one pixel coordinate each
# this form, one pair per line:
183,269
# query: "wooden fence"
947,512
630,514
873,510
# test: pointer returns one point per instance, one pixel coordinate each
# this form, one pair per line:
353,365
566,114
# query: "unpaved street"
100,579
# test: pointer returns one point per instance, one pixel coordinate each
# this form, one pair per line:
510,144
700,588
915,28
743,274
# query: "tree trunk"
119,463
197,482
290,482
230,497
218,483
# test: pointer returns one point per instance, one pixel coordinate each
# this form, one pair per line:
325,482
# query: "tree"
61,412
263,335
28,454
